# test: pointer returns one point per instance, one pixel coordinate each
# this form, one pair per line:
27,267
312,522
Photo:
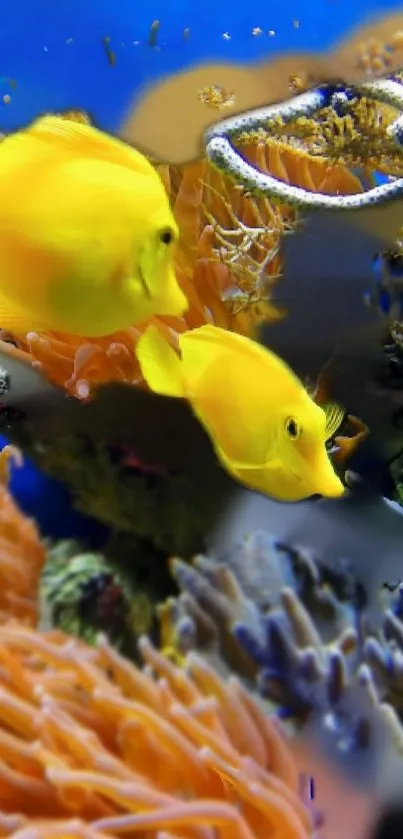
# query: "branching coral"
22,554
92,747
224,155
250,596
354,132
384,652
356,137
284,622
228,254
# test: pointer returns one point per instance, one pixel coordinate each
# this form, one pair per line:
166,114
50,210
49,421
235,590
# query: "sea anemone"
91,746
22,554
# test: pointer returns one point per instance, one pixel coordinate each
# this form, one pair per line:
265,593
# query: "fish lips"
319,476
328,484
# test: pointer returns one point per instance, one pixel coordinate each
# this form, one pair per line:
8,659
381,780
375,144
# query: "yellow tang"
87,236
266,430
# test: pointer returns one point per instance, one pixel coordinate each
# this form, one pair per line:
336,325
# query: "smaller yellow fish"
266,430
87,236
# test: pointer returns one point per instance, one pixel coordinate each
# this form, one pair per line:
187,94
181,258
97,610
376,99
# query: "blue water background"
52,58
53,49
50,503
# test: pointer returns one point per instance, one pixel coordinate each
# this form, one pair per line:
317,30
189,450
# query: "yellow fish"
87,236
267,431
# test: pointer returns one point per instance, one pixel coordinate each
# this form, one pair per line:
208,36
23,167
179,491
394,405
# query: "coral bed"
299,634
92,746
229,262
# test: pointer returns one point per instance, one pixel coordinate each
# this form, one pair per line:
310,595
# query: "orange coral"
228,261
22,554
92,746
216,97
294,165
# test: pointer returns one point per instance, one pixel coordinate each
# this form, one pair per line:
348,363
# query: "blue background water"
49,502
53,52
53,48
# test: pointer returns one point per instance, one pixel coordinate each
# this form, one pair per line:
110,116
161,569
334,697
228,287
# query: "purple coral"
302,641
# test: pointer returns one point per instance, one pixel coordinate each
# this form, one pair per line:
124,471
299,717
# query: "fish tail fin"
159,363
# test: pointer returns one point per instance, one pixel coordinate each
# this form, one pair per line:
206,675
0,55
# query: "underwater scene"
201,420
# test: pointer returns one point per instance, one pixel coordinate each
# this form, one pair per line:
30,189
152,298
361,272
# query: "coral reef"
355,134
92,746
296,631
162,491
155,509
359,56
83,594
385,652
161,513
226,158
264,642
81,727
228,259
228,263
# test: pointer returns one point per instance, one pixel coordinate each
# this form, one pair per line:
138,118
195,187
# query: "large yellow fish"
87,235
266,430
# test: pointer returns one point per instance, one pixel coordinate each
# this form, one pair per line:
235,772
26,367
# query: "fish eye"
167,236
292,428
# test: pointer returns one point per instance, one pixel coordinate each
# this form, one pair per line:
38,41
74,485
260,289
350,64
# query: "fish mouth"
330,488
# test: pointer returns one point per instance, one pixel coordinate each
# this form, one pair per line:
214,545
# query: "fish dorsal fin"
81,139
335,414
208,342
223,339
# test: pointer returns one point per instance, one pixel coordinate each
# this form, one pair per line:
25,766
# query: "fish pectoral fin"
17,320
159,363
84,140
335,414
